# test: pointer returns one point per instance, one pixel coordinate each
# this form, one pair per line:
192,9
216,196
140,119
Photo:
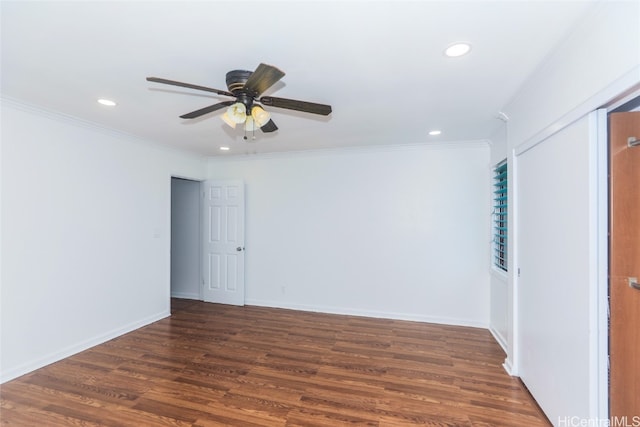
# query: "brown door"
624,267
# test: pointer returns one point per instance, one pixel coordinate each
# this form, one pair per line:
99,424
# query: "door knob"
239,249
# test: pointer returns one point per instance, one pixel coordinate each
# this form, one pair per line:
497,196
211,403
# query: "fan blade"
292,104
188,85
262,79
270,126
206,110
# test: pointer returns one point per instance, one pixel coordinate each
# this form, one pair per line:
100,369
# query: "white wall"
603,51
185,238
599,61
395,232
85,235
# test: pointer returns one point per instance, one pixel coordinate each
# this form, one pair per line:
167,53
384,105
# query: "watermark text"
624,421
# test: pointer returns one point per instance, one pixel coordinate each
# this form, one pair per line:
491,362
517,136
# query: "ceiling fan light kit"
227,119
237,113
246,87
260,116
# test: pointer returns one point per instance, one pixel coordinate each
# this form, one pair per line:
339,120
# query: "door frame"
199,205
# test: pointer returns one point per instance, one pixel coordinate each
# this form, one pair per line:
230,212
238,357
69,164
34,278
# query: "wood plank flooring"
214,365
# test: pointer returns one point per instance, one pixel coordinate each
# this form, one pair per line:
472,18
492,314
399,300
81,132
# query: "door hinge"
518,271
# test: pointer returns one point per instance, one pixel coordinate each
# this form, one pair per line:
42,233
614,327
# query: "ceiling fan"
246,87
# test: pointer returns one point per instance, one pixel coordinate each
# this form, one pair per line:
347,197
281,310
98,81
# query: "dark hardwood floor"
212,365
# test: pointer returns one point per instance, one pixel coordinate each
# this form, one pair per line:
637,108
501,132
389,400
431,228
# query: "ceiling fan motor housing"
236,80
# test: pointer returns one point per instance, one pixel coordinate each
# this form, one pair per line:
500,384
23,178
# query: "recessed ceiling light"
224,148
435,132
457,49
107,102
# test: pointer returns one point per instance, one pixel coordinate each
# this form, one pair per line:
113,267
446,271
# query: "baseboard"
185,295
32,365
369,313
509,368
499,339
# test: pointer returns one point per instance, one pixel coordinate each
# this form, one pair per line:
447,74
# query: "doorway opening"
185,239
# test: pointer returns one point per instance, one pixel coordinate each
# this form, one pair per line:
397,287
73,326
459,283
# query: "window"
500,216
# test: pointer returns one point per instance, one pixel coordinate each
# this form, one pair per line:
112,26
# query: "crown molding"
93,126
363,149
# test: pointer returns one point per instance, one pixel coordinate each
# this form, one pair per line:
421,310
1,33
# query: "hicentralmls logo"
633,421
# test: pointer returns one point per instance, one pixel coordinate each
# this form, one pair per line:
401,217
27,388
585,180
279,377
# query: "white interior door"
223,242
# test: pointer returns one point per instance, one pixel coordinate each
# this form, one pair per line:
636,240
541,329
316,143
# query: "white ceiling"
379,64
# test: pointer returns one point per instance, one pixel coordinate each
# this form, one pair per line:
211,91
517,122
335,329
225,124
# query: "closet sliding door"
558,217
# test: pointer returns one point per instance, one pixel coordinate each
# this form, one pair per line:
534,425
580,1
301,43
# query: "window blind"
500,230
